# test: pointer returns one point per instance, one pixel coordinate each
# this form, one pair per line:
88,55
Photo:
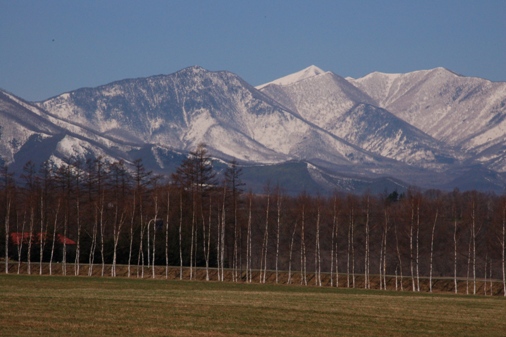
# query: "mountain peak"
303,74
193,69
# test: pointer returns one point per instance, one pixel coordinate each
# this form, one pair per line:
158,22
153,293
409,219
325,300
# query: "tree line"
118,213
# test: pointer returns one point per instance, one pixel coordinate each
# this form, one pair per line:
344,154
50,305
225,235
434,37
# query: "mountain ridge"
344,129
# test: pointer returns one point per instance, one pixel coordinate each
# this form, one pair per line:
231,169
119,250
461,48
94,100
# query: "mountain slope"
337,106
194,105
377,133
19,124
30,134
463,112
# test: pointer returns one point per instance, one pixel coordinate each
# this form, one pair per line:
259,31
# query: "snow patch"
295,77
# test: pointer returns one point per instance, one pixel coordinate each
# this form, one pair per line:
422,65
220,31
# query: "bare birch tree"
53,241
20,240
46,179
383,251
411,228
350,263
265,242
249,275
503,246
432,247
278,228
167,219
366,248
303,262
417,260
334,259
399,259
455,200
180,229
119,185
290,253
78,177
31,188
318,278
8,191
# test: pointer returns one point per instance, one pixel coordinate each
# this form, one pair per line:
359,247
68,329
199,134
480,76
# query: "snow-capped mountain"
30,133
464,112
337,106
18,124
194,105
310,130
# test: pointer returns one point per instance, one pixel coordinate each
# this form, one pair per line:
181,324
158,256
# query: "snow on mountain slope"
28,133
18,123
378,131
461,111
194,105
433,128
320,99
295,77
342,109
449,107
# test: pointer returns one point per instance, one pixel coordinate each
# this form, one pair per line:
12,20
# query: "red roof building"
22,237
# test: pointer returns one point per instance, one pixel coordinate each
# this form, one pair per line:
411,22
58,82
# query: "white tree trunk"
411,246
93,246
381,262
366,254
332,244
248,243
353,249
303,276
167,218
398,257
29,256
490,277
335,224
318,279
218,243
432,249
278,234
132,219
223,231
20,245
385,257
290,254
140,255
418,247
42,239
77,264
118,224
64,254
192,244
7,230
473,228
485,275
455,285
180,235
235,275
396,280
155,219
208,241
265,243
503,255
54,238
468,264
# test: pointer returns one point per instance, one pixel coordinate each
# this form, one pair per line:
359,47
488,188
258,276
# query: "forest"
97,213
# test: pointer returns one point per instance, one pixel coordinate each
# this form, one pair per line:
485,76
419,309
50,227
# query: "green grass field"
83,306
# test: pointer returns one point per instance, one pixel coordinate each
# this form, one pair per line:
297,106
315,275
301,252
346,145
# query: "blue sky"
48,47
